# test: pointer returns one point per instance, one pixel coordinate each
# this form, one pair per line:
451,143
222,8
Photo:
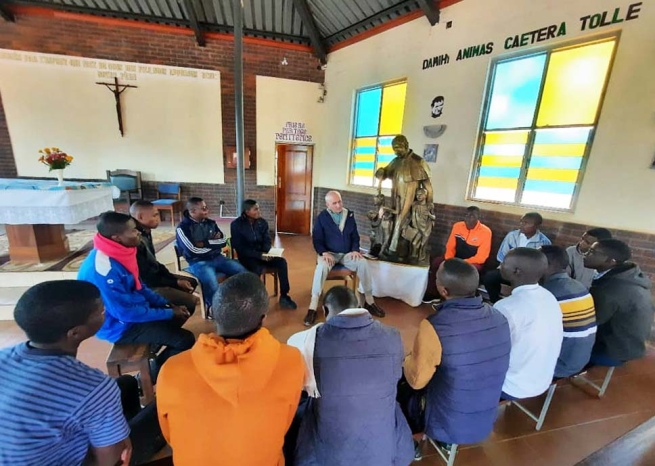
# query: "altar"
34,213
401,281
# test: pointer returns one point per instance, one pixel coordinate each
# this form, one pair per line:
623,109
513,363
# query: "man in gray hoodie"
624,306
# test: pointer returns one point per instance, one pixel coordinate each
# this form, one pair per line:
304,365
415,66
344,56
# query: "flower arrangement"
55,158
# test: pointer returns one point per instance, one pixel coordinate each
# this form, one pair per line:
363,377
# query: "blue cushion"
124,182
165,201
168,188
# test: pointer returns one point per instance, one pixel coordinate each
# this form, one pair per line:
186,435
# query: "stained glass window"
540,117
379,115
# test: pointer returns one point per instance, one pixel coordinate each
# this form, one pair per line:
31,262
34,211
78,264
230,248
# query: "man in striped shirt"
577,311
54,409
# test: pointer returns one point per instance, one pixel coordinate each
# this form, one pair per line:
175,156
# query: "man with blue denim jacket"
336,241
527,236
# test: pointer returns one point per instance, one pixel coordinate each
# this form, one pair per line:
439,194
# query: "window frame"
353,129
527,154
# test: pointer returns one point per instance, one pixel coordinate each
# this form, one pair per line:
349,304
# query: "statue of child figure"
381,224
422,221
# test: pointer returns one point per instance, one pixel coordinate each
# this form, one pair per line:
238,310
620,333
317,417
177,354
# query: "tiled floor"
577,423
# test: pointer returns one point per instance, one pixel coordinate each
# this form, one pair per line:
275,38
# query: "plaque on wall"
231,157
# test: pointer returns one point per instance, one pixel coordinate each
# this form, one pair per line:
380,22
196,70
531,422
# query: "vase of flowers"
56,160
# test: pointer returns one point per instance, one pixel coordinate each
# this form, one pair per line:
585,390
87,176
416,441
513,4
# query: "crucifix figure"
117,90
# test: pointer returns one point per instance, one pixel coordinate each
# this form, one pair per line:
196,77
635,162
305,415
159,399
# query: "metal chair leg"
449,456
544,410
606,381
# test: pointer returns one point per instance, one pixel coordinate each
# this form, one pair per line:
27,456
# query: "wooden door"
294,188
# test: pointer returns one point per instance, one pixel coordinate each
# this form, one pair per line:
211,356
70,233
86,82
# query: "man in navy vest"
469,342
353,365
336,241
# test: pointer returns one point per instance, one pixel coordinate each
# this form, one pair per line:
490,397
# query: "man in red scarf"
133,313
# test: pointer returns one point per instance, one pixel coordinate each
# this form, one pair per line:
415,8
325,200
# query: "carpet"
80,243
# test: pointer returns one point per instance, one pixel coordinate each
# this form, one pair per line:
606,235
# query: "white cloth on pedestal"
405,282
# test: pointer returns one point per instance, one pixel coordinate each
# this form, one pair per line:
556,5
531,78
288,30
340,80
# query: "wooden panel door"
294,188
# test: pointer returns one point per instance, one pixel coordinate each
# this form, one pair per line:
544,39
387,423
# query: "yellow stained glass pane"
553,174
365,142
494,182
393,109
500,161
560,150
574,85
506,137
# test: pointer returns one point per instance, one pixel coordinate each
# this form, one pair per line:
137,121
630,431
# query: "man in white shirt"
535,325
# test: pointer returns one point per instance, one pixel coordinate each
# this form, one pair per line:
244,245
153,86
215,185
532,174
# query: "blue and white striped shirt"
53,408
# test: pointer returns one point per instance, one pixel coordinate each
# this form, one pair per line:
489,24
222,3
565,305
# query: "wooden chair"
266,271
168,199
128,182
132,358
341,272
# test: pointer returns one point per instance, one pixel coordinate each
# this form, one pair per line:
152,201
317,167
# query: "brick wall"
560,233
35,33
7,162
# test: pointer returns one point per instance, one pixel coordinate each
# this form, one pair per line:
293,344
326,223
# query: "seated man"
336,241
133,313
56,409
579,316
251,240
624,306
353,367
469,240
576,253
527,236
231,399
535,325
156,276
202,243
462,354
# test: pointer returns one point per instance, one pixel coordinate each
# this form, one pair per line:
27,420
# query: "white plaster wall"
279,101
172,120
618,189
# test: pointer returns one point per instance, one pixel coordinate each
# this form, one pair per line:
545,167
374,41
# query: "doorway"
294,188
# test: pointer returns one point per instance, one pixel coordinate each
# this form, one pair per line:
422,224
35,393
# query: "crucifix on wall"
117,90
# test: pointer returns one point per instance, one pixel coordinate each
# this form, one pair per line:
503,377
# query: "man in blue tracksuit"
201,242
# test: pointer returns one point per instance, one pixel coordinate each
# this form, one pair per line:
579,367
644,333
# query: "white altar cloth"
32,202
405,282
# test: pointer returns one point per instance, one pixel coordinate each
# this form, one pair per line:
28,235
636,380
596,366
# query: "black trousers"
278,263
168,333
492,281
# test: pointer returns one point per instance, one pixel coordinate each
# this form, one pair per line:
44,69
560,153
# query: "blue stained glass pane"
364,150
501,172
562,136
368,112
386,140
569,163
514,92
554,187
385,158
368,165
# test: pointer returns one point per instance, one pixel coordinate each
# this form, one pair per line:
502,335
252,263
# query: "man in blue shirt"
527,236
336,241
54,409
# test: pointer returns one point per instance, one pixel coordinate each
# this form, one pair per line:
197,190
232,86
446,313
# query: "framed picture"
430,153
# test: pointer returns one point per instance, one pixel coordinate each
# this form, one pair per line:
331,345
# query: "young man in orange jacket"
469,240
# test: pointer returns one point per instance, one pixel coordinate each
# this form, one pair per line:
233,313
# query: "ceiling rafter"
5,13
312,30
193,21
431,10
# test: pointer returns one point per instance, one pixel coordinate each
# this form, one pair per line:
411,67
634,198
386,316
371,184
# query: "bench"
123,359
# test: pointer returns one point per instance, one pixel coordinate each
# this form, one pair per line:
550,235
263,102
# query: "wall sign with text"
588,22
294,131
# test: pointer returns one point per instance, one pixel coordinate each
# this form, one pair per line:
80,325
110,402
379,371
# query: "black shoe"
310,318
418,455
374,309
444,447
287,303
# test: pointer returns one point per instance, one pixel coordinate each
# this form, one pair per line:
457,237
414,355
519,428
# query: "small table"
35,212
405,282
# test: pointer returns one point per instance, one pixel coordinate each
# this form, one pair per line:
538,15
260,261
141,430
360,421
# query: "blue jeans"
207,272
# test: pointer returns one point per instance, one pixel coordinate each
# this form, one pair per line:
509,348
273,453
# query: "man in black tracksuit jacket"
251,240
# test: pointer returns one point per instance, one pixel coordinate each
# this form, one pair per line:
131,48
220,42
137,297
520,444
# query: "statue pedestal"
404,282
